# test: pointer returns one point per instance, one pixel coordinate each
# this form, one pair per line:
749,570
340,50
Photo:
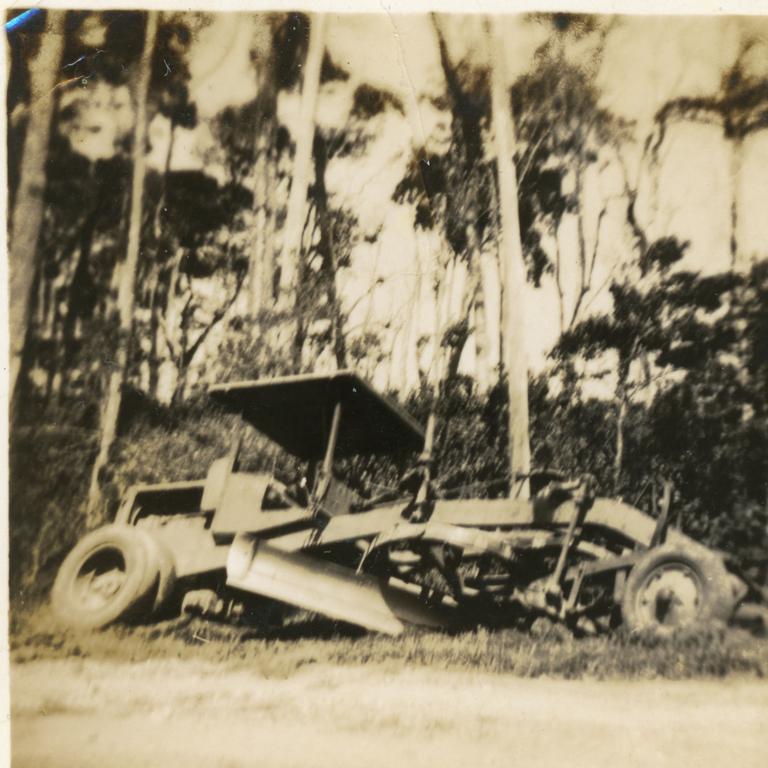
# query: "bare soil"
189,712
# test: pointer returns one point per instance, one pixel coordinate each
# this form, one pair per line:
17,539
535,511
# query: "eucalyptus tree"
87,179
27,213
470,194
256,147
744,109
453,192
207,230
168,97
513,269
277,49
294,330
334,228
289,50
127,273
739,107
658,322
564,136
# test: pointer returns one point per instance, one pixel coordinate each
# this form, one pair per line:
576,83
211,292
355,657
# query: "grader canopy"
297,413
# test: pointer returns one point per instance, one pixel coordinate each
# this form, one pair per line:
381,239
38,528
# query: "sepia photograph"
385,385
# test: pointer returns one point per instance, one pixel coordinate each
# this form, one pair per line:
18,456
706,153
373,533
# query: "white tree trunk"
127,276
302,168
512,265
27,216
737,161
262,266
480,329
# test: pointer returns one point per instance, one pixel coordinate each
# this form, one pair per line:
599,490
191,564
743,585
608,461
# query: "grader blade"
327,588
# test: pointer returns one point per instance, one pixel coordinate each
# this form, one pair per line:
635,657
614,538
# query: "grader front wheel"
111,574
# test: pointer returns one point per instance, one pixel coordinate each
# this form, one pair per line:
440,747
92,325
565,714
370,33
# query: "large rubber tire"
162,561
108,576
672,587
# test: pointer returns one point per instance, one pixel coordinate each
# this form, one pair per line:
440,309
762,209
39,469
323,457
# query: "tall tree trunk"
154,359
127,281
621,416
80,288
581,286
558,280
406,373
443,293
482,366
462,329
297,200
159,292
261,275
622,406
737,152
327,247
261,270
476,305
27,216
512,266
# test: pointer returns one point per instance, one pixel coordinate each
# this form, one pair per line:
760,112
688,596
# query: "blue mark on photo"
22,19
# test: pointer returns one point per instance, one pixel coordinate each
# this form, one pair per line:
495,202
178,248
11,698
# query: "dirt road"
179,713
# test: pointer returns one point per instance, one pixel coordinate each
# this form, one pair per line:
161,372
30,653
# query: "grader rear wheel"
673,587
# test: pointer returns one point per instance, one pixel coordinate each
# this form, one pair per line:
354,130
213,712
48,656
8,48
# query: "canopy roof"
296,412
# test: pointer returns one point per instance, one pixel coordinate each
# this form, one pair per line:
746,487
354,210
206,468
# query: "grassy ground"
281,650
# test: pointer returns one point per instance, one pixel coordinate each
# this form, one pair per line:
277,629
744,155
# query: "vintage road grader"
405,557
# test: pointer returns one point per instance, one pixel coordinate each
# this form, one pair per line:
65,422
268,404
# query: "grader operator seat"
319,418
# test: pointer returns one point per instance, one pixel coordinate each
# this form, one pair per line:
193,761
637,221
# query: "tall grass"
282,650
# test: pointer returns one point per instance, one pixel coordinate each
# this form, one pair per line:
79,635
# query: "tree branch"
220,313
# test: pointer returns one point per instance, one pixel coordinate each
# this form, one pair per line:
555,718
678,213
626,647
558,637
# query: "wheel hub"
670,597
100,578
